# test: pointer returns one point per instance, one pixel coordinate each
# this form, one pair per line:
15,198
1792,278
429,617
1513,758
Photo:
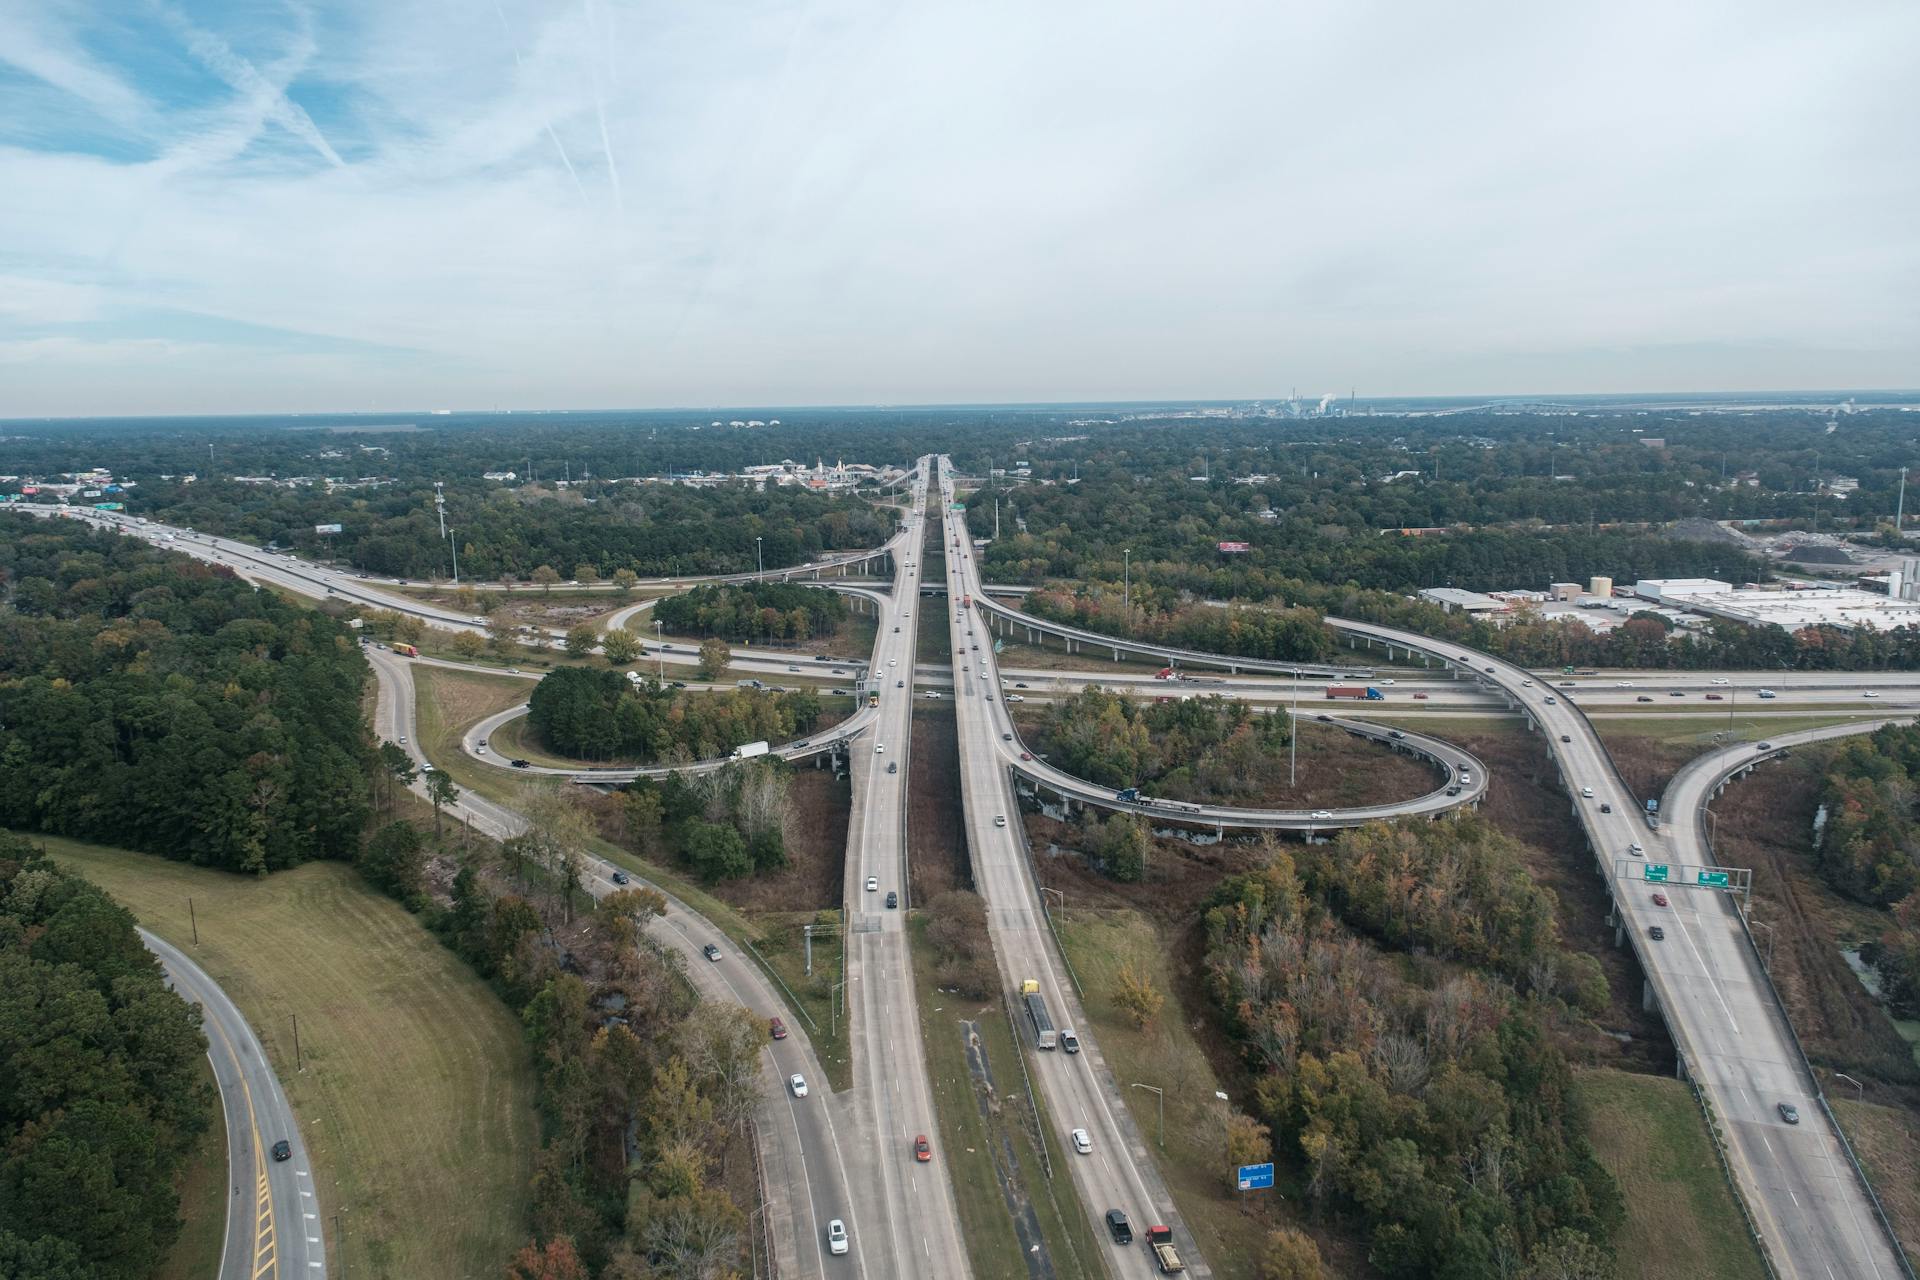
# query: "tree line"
153,702
1396,994
763,612
723,824
590,714
101,1098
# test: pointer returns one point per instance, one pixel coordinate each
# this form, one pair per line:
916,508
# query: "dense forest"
600,715
1212,750
1868,847
1395,992
759,612
154,702
100,1092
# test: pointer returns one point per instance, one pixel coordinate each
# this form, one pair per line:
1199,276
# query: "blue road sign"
1253,1177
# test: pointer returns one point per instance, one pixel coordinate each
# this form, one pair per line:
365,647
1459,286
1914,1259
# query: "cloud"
824,200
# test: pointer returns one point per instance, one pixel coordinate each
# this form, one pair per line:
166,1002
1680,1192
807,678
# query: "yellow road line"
266,1254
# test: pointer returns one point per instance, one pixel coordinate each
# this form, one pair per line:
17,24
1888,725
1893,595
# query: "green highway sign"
1718,879
1657,872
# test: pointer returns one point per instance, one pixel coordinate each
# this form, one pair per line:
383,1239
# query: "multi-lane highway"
1812,1212
274,1228
911,1226
1081,1092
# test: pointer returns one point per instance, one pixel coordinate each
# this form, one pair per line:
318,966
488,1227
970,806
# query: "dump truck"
748,750
1358,692
1165,1256
1043,1033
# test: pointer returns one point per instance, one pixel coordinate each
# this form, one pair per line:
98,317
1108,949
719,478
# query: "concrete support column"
1116,655
1647,1000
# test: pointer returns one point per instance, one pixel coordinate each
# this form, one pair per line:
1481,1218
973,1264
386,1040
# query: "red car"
1026,755
777,1029
1420,697
922,1149
1714,697
1659,899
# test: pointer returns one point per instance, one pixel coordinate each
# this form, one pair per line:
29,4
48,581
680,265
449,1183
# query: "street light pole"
1126,586
1163,1111
659,651
760,565
1860,1092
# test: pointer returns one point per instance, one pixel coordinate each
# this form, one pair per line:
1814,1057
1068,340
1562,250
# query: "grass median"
415,1090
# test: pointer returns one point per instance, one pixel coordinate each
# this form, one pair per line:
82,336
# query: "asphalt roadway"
273,1216
1081,1091
913,1224
1732,1036
804,1143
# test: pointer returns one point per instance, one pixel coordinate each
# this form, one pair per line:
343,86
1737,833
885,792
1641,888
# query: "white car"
836,1237
1586,793
1014,697
893,662
873,884
1868,693
403,739
1322,814
999,819
1384,682
798,1083
1721,680
931,694
1082,1142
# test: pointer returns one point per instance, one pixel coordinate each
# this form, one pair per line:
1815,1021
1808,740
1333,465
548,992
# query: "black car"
1656,933
522,764
893,901
1118,1227
710,951
620,877
1454,790
283,1150
1789,1113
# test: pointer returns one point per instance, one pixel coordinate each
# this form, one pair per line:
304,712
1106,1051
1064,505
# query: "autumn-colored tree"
1136,997
714,656
544,577
468,644
581,639
625,579
555,1260
619,646
1289,1254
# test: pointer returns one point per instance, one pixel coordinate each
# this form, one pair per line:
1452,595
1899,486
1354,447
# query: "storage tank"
1600,586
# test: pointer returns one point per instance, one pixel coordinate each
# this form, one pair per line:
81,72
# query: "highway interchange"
845,1155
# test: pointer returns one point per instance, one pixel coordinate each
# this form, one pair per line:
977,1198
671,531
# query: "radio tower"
440,509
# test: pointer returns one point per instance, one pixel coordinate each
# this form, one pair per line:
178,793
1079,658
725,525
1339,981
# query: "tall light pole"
759,564
455,544
1155,1091
1126,585
659,651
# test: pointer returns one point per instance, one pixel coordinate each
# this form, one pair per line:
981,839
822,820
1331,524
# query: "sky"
255,206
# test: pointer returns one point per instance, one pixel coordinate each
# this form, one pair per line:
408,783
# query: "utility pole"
191,918
440,508
1900,512
297,1066
760,564
455,544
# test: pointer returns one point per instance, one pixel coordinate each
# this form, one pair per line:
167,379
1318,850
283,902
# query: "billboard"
1234,548
1254,1177
109,506
326,528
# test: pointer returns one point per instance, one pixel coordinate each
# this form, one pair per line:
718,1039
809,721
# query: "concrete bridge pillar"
1116,655
1647,1000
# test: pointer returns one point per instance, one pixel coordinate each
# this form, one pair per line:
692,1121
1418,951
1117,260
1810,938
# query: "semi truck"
1043,1033
1358,692
966,602
407,649
748,750
1127,793
1170,673
1165,1256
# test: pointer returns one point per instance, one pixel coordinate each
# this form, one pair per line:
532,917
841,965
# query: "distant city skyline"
228,207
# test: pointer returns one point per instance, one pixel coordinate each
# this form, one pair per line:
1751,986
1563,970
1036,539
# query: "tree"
555,1260
619,646
468,644
502,635
584,572
696,1237
581,639
395,765
716,852
394,862
544,577
721,1045
441,791
625,580
556,837
714,656
1290,1254
1135,996
640,809
1123,847
1247,1142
